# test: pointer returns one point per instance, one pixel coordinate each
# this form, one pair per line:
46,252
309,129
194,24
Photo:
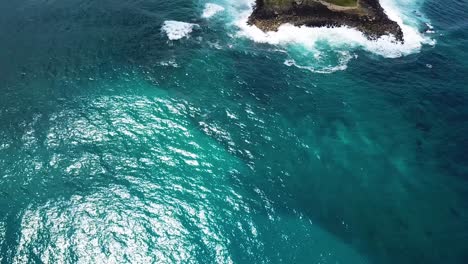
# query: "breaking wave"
176,30
315,43
211,10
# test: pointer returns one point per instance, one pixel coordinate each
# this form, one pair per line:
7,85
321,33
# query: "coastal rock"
368,16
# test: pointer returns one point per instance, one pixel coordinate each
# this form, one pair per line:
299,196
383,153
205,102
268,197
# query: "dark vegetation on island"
367,16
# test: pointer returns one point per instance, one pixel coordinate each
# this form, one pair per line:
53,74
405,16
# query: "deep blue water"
118,145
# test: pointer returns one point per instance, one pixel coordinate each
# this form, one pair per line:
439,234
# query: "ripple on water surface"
149,183
118,144
135,178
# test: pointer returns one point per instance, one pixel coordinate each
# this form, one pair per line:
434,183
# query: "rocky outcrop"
365,15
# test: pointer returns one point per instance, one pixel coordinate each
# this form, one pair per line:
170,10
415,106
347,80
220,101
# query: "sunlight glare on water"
161,131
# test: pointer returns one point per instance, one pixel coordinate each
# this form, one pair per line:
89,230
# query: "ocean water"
150,131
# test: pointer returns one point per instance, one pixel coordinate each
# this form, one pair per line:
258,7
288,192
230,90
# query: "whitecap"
211,10
169,63
176,30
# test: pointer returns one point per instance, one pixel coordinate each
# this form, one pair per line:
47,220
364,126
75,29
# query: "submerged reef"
367,16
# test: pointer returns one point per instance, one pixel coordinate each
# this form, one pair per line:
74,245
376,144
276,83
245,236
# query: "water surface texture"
150,131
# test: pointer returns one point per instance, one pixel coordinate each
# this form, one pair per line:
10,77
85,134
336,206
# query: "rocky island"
368,16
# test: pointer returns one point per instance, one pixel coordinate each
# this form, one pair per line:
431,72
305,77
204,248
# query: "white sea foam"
176,30
169,63
340,65
211,10
339,39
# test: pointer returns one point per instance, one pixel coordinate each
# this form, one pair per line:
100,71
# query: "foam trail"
341,64
211,10
176,30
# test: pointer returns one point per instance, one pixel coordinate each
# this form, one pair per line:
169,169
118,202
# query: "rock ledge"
367,16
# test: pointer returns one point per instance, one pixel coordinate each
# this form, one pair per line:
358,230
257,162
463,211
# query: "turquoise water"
120,145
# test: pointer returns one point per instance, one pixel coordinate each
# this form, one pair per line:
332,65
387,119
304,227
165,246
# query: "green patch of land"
284,3
347,3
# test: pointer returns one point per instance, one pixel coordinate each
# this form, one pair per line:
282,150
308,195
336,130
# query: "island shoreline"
367,16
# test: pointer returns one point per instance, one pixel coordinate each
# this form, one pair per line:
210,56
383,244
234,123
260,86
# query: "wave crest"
176,30
211,10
